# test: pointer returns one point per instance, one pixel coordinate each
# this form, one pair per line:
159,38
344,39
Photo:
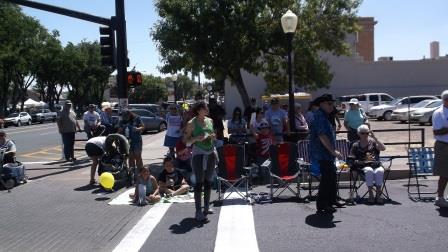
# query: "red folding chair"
230,172
284,169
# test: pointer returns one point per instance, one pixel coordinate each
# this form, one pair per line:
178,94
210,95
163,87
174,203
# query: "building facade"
360,73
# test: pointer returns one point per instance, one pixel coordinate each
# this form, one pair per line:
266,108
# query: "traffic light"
135,79
107,43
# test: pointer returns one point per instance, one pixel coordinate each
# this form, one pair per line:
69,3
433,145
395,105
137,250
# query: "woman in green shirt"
200,134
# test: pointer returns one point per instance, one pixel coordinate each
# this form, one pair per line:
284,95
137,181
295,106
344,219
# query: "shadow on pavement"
84,188
68,169
443,212
185,226
102,199
324,220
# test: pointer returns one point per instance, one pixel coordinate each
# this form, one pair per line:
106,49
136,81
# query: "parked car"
151,121
366,101
43,115
384,111
424,115
402,114
154,108
18,119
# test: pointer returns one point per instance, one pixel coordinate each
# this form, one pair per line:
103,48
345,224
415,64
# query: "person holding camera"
366,152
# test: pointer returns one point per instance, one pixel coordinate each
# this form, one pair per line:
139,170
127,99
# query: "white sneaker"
441,202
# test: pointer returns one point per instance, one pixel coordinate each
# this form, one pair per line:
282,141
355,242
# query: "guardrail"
421,142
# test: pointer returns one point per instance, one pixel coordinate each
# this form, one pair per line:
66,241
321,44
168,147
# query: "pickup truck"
43,115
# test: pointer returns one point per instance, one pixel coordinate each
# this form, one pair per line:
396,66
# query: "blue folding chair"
421,162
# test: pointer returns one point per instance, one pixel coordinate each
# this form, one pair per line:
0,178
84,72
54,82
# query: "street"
57,211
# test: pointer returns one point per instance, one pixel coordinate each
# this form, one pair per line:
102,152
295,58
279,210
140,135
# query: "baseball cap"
444,95
353,101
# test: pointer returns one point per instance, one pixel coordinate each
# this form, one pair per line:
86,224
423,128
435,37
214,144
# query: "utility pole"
122,54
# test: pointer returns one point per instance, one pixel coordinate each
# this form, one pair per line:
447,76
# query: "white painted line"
236,229
123,198
40,162
135,239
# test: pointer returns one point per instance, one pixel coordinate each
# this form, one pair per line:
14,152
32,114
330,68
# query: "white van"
366,101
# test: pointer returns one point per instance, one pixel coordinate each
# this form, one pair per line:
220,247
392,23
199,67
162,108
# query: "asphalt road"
57,211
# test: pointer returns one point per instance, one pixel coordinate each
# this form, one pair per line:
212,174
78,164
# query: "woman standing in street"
199,133
173,132
132,127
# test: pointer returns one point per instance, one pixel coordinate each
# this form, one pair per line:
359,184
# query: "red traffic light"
135,79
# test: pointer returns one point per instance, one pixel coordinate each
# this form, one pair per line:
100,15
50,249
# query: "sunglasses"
364,133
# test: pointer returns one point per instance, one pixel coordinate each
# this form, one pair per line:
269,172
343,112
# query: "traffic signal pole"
117,23
122,52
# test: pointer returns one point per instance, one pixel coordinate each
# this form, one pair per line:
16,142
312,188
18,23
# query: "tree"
20,37
220,38
152,90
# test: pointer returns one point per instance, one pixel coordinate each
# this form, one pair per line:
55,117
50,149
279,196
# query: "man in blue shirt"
322,150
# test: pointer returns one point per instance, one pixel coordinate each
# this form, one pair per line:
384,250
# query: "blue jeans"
68,139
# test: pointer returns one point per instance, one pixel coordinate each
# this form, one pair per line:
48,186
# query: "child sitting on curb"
171,181
146,189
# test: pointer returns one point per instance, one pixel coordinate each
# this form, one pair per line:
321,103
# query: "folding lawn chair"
230,172
421,162
357,179
283,168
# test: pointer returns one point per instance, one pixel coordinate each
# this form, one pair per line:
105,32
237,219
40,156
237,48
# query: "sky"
404,29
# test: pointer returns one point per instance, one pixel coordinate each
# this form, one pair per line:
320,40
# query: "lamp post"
174,79
289,24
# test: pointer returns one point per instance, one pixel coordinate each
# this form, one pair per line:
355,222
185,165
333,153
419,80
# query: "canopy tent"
298,96
30,103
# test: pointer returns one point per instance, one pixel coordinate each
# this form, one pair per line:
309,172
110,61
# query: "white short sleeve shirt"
439,121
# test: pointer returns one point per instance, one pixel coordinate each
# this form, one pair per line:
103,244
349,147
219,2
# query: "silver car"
384,111
151,121
402,114
424,115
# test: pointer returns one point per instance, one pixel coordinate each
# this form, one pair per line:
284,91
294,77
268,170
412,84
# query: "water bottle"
142,195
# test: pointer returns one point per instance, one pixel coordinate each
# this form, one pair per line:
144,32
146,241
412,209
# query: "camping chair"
357,179
421,161
284,168
304,162
342,145
230,171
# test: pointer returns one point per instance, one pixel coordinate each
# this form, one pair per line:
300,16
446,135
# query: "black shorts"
93,150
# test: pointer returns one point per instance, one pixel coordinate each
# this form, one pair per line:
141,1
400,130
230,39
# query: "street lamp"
289,24
174,79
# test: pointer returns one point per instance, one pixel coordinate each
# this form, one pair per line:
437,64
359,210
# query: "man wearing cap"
106,119
277,119
440,129
354,118
323,152
91,120
8,146
67,126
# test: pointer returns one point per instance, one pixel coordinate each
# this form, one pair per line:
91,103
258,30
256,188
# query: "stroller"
11,174
116,151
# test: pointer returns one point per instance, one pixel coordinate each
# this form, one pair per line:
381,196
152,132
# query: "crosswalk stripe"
236,228
135,239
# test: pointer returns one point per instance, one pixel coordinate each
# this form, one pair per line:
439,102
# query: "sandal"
92,182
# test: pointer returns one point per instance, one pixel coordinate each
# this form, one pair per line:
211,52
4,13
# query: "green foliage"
30,56
219,38
152,90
